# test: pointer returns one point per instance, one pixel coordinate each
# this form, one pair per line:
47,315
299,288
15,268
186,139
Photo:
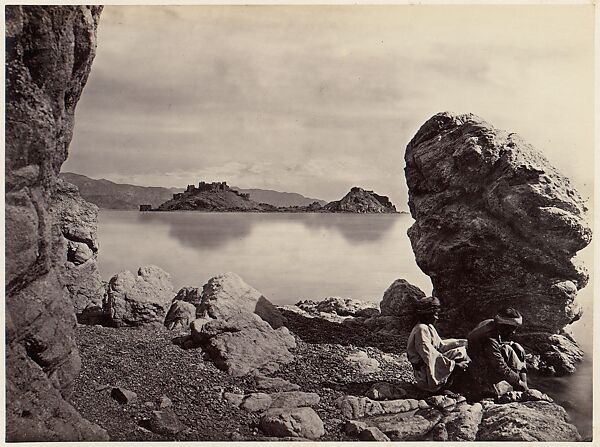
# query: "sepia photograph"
275,223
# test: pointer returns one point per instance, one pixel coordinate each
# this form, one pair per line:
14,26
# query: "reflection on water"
289,257
284,255
213,230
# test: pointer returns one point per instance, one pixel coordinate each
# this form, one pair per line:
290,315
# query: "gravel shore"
147,362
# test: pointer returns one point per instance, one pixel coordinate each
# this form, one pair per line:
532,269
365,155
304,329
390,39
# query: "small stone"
102,387
123,396
363,363
165,422
372,434
423,405
354,428
149,404
165,402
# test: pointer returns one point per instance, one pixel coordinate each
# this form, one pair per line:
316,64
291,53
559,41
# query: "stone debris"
123,396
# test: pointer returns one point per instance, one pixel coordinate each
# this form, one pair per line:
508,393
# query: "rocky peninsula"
494,225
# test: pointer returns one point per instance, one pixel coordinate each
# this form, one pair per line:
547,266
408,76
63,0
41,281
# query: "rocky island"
495,225
218,197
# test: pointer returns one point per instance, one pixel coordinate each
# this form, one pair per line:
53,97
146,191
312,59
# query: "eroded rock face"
495,225
78,224
137,300
49,52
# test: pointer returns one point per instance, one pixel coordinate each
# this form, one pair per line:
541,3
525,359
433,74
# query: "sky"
317,99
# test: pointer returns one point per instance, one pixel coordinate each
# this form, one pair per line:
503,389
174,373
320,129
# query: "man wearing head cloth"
433,359
498,364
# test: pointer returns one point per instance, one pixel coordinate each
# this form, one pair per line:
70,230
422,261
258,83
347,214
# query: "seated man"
433,359
497,364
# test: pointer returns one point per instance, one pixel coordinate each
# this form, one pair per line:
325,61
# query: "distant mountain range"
107,194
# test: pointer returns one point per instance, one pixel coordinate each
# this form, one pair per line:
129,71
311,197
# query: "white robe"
433,359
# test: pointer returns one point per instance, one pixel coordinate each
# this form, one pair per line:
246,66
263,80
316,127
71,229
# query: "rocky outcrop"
78,224
359,200
136,300
495,225
49,52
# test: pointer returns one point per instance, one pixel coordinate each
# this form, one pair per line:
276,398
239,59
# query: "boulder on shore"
227,295
243,343
136,300
180,315
495,225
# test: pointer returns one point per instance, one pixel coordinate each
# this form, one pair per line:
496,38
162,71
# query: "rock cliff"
49,52
496,225
359,200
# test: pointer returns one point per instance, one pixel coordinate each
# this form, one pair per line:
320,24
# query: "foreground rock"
445,418
136,300
300,422
243,343
227,295
495,225
537,421
49,52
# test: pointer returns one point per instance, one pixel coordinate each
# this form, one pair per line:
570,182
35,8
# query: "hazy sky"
315,99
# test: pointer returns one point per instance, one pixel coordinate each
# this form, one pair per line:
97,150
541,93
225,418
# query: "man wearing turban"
433,359
498,364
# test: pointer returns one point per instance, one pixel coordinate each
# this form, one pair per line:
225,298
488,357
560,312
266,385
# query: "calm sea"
289,257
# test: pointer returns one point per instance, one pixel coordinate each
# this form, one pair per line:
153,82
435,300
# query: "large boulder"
243,343
227,295
137,300
78,225
495,225
49,52
529,421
